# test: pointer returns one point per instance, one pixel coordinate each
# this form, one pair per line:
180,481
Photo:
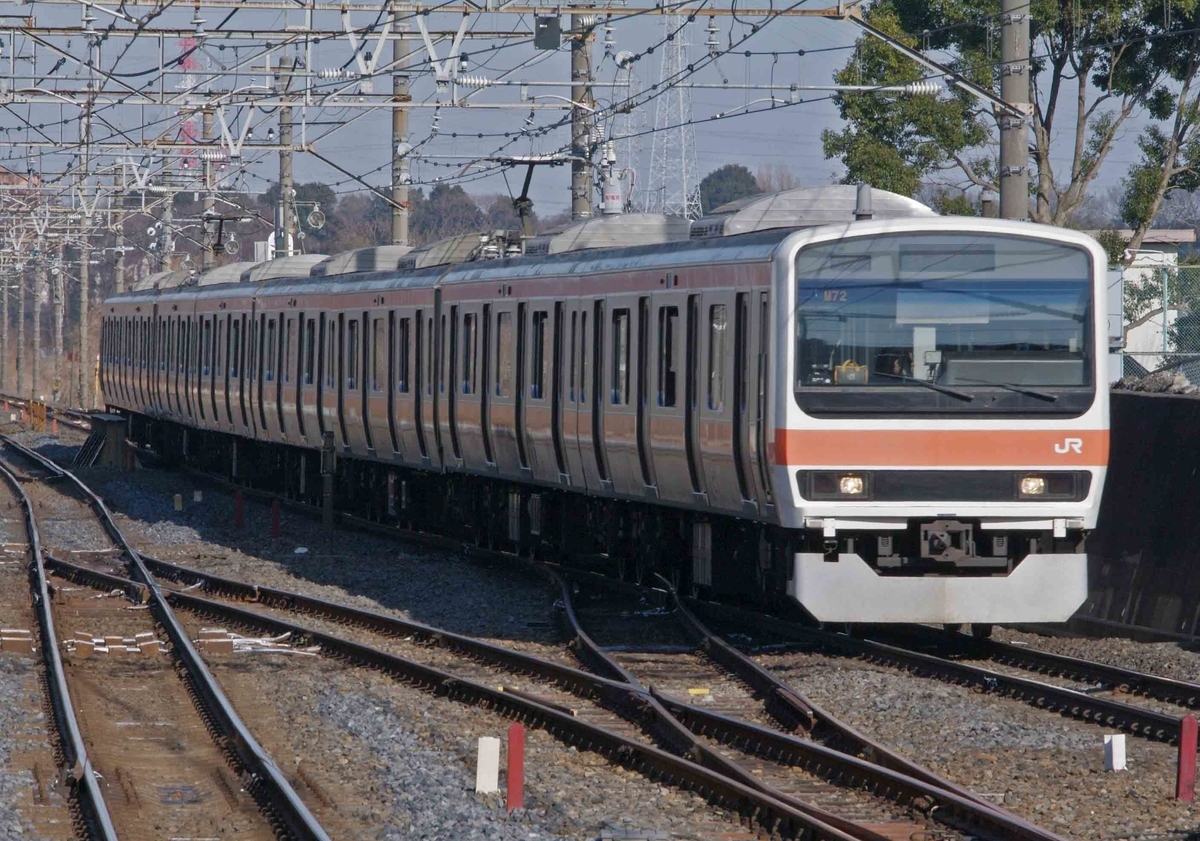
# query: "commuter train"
838,397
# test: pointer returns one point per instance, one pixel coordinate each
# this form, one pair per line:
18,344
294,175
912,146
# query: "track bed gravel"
1044,767
1168,659
483,599
402,762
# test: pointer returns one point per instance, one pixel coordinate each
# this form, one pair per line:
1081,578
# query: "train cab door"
758,389
716,400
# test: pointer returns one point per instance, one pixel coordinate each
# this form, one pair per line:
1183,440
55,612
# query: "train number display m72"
879,413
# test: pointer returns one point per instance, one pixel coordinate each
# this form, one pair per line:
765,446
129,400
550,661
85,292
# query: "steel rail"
1179,692
79,775
885,758
773,814
1139,721
266,780
962,808
614,691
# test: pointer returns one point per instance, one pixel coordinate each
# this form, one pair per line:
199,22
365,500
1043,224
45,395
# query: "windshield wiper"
1028,392
961,395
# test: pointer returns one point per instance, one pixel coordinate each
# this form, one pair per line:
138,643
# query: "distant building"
1159,253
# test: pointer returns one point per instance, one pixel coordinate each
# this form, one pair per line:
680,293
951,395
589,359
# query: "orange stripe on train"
943,448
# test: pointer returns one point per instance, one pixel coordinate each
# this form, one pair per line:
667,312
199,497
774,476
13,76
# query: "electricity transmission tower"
673,185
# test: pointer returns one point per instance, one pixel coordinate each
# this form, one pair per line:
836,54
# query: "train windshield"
946,323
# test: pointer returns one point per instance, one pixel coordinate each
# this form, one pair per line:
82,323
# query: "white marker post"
1114,752
487,772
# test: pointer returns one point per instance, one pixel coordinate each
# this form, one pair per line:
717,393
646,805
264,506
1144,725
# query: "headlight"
1033,486
851,485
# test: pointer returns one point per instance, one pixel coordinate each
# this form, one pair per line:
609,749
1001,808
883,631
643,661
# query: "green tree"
1170,149
1092,71
725,184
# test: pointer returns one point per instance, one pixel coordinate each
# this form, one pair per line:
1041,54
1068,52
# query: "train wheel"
981,631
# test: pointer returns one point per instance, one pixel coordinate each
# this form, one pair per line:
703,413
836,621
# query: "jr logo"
1069,445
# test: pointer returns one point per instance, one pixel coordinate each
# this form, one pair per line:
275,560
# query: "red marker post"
239,509
1185,778
516,768
275,530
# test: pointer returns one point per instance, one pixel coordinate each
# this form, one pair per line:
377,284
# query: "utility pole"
83,388
400,93
209,237
39,284
287,205
119,227
4,330
581,122
59,286
21,327
1014,89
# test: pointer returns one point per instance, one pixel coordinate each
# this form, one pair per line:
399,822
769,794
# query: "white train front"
895,419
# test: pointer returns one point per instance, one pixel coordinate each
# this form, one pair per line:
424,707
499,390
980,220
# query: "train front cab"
941,419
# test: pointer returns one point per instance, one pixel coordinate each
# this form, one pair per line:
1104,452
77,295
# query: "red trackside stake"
239,509
516,767
275,530
1185,779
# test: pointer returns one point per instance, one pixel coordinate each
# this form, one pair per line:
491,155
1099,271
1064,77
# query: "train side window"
206,341
270,375
537,384
469,350
310,352
443,372
285,362
668,363
504,354
571,369
620,359
402,367
352,354
378,355
429,355
331,356
583,356
717,331
235,361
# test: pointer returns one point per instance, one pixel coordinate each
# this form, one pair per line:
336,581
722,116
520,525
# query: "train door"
308,400
758,385
502,388
744,364
716,401
421,390
285,376
469,384
621,424
407,385
573,391
535,416
595,364
393,381
319,375
331,367
268,370
250,383
666,432
437,375
376,376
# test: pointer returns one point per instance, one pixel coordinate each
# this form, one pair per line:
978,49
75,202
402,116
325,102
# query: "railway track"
163,735
611,703
74,418
1100,677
